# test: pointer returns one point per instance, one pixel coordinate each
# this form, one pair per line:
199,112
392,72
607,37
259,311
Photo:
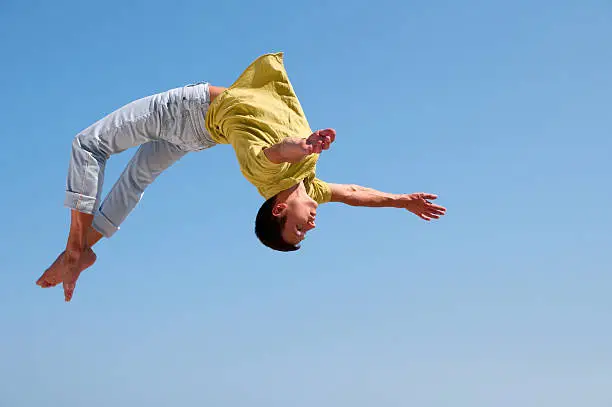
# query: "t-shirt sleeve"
253,161
320,191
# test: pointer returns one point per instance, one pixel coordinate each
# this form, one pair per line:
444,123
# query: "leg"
150,160
54,274
173,117
132,125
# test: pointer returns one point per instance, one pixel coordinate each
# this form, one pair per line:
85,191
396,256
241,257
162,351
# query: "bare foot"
55,273
73,266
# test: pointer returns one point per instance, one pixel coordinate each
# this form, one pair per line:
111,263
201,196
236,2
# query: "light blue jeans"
165,126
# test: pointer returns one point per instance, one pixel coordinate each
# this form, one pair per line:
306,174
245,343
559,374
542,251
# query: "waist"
196,97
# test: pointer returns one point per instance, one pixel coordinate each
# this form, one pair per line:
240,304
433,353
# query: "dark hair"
268,228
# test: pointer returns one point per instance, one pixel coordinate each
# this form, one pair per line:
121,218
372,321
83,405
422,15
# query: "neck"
295,190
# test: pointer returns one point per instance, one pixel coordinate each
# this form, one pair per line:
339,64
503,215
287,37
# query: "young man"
259,115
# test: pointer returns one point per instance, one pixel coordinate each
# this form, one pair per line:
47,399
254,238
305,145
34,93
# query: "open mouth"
311,220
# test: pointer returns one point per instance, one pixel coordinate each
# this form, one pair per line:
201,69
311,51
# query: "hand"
321,140
420,205
294,149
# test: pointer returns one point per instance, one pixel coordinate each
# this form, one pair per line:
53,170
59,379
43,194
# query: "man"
259,115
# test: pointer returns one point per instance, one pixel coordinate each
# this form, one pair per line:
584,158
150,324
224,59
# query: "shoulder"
319,190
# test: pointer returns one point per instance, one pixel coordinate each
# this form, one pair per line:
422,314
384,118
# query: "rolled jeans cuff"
80,202
103,225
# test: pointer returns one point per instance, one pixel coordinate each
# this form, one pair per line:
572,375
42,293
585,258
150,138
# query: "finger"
432,208
432,215
331,133
423,217
428,196
437,207
313,138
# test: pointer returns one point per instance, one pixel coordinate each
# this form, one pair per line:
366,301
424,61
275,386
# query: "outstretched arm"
295,149
417,203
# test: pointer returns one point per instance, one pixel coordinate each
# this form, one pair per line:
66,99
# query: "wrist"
401,200
290,150
274,154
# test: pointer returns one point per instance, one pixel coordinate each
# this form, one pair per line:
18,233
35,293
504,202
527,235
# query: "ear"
279,208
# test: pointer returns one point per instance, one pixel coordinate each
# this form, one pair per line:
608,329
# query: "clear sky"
501,108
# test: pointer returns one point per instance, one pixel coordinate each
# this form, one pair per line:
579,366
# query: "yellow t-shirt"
259,110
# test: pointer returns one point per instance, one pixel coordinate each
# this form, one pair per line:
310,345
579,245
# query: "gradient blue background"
501,108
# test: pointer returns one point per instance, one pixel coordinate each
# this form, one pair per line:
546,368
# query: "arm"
295,149
417,203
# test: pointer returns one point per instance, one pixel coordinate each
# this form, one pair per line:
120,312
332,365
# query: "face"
301,214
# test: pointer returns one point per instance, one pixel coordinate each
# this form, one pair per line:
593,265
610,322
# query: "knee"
90,145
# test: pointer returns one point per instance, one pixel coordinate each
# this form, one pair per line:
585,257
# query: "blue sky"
501,108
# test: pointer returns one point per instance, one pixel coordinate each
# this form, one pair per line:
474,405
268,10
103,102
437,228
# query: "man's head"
283,221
